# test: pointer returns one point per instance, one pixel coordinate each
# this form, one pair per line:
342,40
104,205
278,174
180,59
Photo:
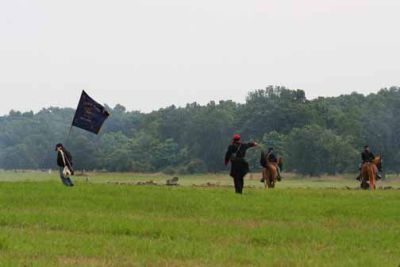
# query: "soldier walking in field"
236,156
64,161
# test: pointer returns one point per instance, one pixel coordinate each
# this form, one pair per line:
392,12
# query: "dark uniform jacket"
367,156
235,154
68,159
269,157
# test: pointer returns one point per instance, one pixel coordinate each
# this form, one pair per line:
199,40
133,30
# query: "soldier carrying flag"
89,116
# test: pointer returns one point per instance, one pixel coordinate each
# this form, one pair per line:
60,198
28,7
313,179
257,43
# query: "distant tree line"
323,135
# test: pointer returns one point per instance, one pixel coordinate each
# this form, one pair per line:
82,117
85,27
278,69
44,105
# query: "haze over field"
183,51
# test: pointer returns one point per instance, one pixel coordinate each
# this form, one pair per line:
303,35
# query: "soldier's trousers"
239,183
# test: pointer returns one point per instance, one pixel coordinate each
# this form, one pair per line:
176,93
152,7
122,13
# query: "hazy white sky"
147,54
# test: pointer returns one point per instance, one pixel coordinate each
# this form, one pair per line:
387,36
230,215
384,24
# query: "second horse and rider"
236,152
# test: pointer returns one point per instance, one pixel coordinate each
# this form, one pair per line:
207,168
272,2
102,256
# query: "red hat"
236,137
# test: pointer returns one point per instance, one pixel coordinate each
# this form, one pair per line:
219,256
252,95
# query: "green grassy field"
104,221
221,179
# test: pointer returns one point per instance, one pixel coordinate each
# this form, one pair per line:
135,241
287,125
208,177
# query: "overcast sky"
147,54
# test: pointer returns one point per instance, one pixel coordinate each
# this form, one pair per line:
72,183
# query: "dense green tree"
18,157
323,135
313,150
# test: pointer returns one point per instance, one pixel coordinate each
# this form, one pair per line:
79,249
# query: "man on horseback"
367,156
270,158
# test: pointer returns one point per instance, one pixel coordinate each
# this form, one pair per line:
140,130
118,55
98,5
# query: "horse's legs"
274,175
272,180
265,176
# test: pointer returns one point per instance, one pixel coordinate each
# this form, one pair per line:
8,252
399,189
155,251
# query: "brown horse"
270,173
369,170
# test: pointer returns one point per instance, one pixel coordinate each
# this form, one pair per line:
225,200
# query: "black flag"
89,115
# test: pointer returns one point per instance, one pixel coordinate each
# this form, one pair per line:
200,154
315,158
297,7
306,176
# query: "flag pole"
70,128
69,134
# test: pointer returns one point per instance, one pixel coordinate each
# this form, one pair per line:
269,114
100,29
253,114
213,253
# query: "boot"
358,177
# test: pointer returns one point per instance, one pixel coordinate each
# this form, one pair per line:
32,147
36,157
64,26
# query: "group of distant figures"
272,165
271,173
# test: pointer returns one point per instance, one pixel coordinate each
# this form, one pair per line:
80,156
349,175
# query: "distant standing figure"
64,161
239,167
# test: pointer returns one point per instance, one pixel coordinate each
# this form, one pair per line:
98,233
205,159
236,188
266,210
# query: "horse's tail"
371,175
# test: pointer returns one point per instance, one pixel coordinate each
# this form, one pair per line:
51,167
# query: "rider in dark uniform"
239,167
270,157
367,156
